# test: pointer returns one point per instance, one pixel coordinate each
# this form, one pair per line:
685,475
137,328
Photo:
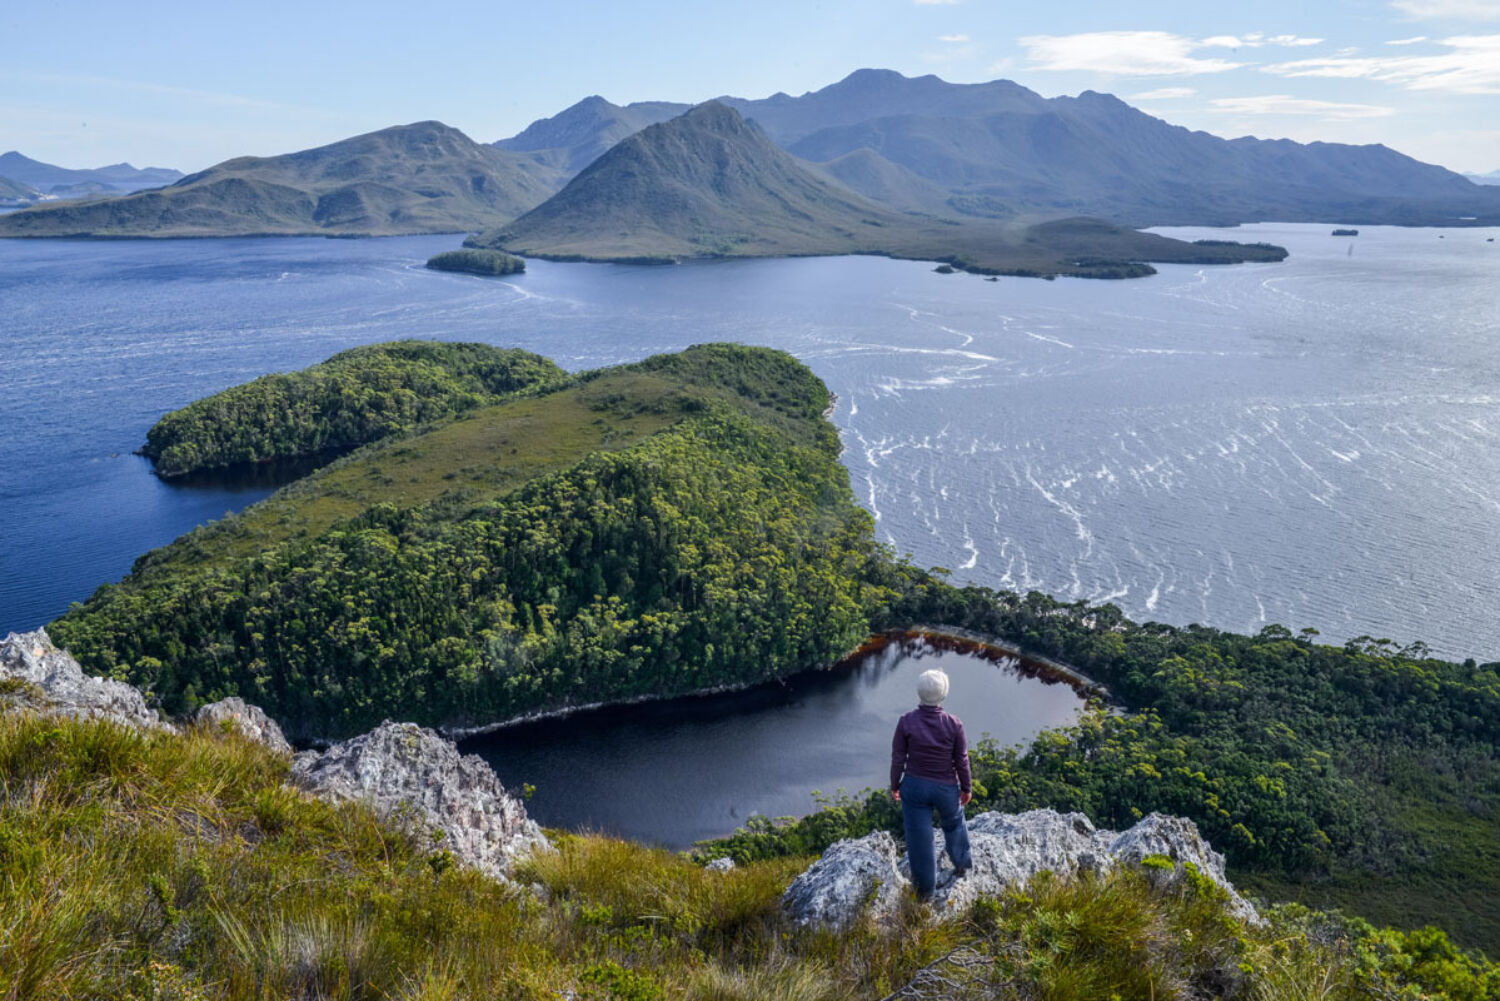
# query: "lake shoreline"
946,638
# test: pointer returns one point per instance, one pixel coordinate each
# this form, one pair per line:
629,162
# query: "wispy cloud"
1146,53
1470,66
1283,104
1163,94
1255,40
953,38
1121,53
1456,10
1407,41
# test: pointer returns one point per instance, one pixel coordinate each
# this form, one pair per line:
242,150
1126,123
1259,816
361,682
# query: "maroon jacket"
930,744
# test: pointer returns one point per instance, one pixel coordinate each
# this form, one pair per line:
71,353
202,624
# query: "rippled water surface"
1315,442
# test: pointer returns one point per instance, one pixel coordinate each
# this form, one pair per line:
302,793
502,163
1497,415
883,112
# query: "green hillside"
420,178
661,528
355,397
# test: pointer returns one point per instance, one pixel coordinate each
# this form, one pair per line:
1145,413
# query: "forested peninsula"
355,397
682,524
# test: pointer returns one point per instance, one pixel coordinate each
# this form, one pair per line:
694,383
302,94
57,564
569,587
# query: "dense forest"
683,524
723,548
355,397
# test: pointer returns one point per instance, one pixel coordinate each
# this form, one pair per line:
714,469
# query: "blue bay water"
1314,443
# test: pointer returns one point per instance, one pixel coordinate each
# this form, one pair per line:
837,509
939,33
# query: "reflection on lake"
679,771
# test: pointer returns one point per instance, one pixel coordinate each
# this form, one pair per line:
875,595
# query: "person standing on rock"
930,771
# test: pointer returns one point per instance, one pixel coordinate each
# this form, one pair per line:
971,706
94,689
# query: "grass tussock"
156,867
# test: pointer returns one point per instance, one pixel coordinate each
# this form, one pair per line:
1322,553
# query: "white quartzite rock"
869,874
66,690
407,772
249,720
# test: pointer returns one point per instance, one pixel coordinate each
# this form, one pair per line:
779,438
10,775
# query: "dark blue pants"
919,797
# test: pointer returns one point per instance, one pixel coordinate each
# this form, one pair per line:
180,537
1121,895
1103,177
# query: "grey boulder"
55,683
410,775
250,721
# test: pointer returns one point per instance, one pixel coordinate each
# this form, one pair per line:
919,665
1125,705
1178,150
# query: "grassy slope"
706,184
182,868
420,178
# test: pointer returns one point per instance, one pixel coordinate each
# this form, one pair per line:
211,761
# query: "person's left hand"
896,795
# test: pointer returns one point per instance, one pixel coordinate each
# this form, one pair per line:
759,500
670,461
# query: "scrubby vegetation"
355,397
478,262
179,868
723,548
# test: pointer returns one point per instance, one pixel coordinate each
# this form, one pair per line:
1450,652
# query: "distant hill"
587,129
999,150
703,184
1493,177
119,178
710,184
15,193
421,178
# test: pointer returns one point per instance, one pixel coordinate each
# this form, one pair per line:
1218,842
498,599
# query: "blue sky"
88,83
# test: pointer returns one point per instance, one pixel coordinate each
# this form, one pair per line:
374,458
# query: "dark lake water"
1315,443
680,771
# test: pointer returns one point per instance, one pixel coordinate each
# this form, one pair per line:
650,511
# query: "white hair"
932,687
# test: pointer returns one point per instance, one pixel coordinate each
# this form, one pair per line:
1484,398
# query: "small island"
478,262
1346,232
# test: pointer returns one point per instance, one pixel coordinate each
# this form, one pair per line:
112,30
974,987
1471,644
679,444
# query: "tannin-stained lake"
683,770
1314,443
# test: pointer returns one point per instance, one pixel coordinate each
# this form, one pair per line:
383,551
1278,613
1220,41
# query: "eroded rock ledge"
51,680
868,875
407,773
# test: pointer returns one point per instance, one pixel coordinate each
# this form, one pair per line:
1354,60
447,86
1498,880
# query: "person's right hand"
963,798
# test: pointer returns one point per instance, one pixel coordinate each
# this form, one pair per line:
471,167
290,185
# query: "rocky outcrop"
406,773
251,721
409,774
868,875
49,680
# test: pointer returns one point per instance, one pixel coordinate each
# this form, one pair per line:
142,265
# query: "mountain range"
1000,150
421,178
918,148
710,184
117,178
